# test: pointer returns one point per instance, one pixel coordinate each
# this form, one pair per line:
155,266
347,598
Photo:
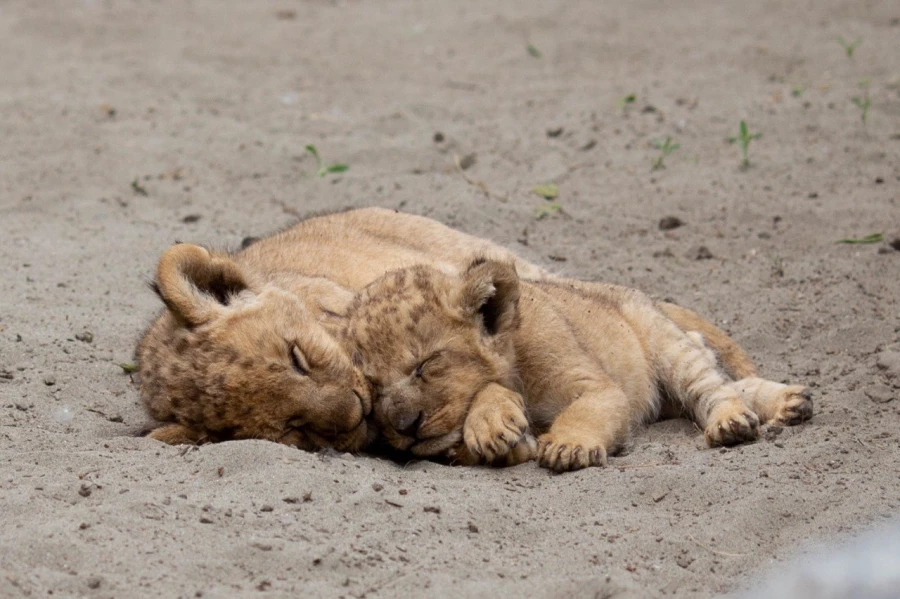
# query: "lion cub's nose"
408,424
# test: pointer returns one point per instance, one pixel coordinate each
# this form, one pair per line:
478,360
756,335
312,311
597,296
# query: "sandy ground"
125,126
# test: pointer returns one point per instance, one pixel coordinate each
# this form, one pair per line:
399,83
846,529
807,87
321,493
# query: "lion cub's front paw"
730,423
496,426
561,453
793,406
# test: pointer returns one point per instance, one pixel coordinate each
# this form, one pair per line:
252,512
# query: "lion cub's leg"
496,428
775,403
689,373
597,422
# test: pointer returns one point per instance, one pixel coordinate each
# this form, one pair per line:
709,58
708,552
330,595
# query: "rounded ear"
195,284
490,293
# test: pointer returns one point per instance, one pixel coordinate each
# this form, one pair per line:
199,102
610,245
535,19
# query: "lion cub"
451,357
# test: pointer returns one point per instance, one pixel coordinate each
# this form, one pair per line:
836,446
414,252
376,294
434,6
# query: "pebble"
889,362
670,222
700,253
880,393
86,337
50,380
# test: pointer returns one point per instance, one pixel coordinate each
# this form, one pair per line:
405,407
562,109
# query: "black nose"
410,430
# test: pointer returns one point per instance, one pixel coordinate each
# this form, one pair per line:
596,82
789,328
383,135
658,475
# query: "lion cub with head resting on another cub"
451,356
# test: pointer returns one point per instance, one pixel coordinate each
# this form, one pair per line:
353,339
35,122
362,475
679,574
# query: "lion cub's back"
598,320
354,248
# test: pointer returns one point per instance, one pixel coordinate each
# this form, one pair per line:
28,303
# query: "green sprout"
548,191
323,169
629,99
743,140
533,51
870,238
863,102
665,148
545,210
849,47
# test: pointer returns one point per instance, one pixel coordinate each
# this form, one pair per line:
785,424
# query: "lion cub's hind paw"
732,424
795,406
562,456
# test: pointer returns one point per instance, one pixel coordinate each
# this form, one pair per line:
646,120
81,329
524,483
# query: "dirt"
128,126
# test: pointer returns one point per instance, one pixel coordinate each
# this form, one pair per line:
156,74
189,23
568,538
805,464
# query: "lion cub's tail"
732,357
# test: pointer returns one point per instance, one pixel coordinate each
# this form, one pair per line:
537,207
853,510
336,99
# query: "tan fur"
450,357
217,363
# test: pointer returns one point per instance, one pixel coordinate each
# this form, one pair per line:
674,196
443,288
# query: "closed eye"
419,372
298,360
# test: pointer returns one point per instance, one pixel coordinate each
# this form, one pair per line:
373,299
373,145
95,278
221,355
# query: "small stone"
554,132
307,497
49,380
94,582
6,375
472,527
700,253
889,362
895,243
267,508
880,393
684,561
291,500
205,520
403,491
670,222
468,161
86,337
85,490
879,180
813,195
432,509
377,487
438,137
191,218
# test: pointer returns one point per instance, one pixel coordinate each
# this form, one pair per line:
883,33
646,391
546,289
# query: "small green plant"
870,238
863,102
665,147
797,91
545,210
533,51
849,47
743,139
625,101
548,191
325,169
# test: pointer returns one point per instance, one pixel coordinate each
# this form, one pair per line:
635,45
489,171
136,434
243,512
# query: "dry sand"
125,126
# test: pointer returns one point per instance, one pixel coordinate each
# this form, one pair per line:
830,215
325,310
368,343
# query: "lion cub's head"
427,342
232,358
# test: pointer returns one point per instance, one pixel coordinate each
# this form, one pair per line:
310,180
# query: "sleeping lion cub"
245,347
450,358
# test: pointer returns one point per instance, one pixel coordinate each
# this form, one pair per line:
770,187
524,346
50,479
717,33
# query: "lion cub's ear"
490,292
195,284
